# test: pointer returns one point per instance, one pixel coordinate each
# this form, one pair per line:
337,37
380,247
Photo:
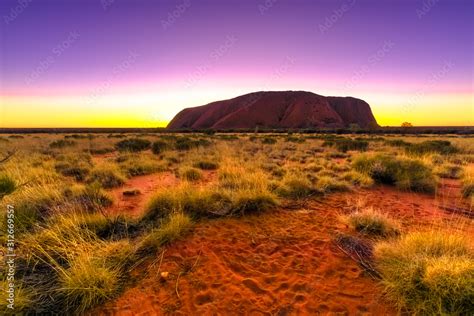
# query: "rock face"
279,109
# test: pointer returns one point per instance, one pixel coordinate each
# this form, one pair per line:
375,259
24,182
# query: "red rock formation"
280,109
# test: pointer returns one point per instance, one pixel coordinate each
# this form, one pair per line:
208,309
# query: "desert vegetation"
79,245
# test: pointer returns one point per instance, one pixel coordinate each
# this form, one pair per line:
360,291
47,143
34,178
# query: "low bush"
406,174
374,223
133,145
428,273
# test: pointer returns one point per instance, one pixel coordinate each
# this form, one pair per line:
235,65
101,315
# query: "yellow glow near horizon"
152,110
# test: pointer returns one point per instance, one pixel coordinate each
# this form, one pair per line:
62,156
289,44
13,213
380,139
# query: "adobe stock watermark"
426,7
373,60
336,15
117,70
10,258
266,5
174,15
430,84
216,54
16,11
106,4
56,52
279,72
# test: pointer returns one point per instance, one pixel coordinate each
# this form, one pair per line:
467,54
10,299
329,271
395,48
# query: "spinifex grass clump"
173,228
374,223
76,166
186,143
450,171
428,273
7,185
234,195
62,143
159,147
344,145
139,164
107,176
190,174
406,174
295,187
133,145
206,165
443,147
269,140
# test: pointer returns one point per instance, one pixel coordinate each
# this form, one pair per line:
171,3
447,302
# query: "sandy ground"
283,262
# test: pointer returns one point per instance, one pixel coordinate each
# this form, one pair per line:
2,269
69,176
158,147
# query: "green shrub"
428,273
206,165
133,145
373,223
406,174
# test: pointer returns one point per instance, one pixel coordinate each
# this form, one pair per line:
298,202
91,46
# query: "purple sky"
354,47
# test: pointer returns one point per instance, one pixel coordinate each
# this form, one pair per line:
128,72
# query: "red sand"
279,263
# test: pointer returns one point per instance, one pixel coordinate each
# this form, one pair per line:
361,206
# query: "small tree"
407,124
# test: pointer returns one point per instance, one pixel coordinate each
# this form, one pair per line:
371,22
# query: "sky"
136,63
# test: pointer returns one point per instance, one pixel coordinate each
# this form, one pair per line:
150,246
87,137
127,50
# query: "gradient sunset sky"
124,63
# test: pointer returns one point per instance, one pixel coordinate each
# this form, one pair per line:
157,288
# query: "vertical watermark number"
10,257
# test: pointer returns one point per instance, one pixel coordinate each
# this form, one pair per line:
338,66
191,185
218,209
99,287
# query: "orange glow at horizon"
152,110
